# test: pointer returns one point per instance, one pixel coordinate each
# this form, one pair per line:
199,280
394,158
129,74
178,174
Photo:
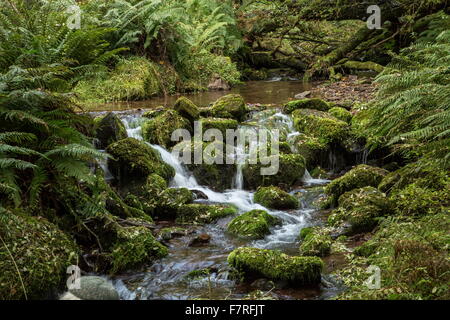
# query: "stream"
166,278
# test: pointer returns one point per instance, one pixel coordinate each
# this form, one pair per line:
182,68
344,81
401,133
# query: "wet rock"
110,129
254,224
314,103
274,198
263,284
202,213
199,195
276,266
200,240
230,106
171,233
187,109
302,95
220,124
217,83
94,288
168,202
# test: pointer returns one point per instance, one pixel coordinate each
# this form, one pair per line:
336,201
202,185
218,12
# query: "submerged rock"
94,288
135,160
360,209
274,198
360,176
313,103
110,129
254,224
316,242
202,213
275,265
230,106
200,240
187,109
290,170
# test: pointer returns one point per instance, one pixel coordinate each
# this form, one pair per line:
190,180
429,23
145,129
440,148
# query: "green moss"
134,247
319,173
275,265
230,106
361,209
341,114
358,177
368,65
254,224
220,124
198,274
170,200
110,129
311,148
314,103
316,242
134,159
41,252
203,213
187,109
304,232
159,130
291,169
321,125
274,198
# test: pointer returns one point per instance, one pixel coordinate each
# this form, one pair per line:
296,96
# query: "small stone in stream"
199,195
200,240
302,95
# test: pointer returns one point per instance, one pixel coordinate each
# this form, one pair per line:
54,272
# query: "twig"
17,268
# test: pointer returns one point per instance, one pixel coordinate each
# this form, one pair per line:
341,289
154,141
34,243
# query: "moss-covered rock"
360,65
274,198
159,129
187,109
110,129
313,103
360,176
361,210
135,160
275,265
170,200
316,242
220,124
291,169
134,247
341,114
35,252
254,224
203,213
321,125
311,148
230,106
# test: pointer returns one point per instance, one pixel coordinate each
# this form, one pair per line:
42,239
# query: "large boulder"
34,256
110,129
94,288
134,247
274,198
254,224
311,148
158,130
275,265
291,169
360,209
316,241
230,106
341,114
307,103
220,124
187,109
202,213
320,125
170,200
135,160
358,177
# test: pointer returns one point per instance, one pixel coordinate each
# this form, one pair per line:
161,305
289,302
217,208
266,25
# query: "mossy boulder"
135,246
307,103
321,125
358,177
254,263
220,124
311,148
159,129
290,170
41,253
170,200
360,210
202,213
274,198
316,242
135,160
341,114
187,109
254,224
230,106
110,129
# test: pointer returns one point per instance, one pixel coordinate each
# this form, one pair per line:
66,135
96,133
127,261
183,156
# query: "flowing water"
166,279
